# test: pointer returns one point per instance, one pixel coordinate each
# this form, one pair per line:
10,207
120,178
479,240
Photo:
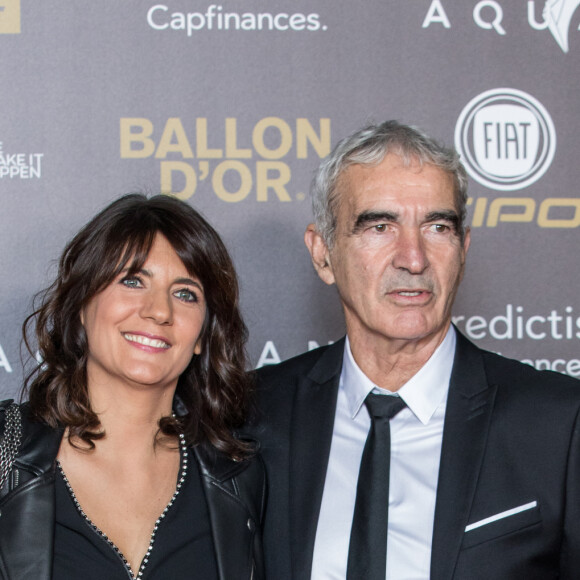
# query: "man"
484,478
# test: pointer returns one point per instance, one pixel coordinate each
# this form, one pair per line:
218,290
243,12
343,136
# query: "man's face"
397,259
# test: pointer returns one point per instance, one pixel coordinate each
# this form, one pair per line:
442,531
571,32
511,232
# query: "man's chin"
413,327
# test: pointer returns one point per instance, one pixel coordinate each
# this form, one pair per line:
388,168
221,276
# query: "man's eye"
440,228
380,227
186,295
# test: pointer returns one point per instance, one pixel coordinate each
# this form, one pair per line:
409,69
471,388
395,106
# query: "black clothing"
234,492
183,547
511,439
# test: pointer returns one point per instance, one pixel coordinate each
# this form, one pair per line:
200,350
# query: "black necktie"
367,552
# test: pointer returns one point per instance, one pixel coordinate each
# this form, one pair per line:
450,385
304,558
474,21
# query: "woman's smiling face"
144,328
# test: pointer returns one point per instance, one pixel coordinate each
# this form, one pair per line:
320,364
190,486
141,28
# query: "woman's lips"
155,342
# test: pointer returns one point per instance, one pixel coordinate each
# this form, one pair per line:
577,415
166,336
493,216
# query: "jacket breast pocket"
501,524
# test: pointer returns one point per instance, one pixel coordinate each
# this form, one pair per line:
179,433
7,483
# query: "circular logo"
506,139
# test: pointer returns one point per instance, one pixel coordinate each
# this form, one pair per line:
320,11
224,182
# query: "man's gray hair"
369,146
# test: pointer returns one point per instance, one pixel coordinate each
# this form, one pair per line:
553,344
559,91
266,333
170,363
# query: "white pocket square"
501,516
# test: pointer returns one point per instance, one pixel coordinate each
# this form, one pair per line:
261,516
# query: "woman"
128,465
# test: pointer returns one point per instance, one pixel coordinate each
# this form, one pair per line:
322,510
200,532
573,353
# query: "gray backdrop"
232,105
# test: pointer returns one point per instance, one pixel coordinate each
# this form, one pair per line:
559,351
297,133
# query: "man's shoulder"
507,366
513,374
286,390
300,365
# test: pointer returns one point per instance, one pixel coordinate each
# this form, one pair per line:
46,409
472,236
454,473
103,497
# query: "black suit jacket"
511,437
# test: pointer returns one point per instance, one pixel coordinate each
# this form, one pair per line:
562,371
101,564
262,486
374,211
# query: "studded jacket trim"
235,495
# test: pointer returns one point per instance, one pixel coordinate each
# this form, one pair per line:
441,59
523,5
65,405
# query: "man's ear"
464,249
319,254
466,241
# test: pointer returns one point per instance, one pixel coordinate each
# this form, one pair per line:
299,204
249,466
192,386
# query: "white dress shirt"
416,437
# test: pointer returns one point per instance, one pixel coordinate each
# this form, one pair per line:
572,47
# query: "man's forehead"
395,183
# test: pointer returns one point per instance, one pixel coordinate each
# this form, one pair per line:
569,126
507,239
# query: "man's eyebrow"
444,215
368,217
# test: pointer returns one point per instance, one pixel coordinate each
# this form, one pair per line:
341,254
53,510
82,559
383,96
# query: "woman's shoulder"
245,479
220,467
14,419
35,443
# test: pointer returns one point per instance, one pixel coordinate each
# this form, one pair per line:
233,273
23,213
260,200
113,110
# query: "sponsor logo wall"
230,106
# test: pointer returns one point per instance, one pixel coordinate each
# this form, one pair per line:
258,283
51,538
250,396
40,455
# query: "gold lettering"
245,181
203,151
496,206
136,130
479,212
173,127
305,134
232,151
168,168
264,182
285,138
545,222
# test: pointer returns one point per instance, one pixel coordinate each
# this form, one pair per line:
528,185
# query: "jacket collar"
39,445
235,517
311,435
467,420
217,466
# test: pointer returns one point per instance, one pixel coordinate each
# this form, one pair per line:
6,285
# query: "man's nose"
410,252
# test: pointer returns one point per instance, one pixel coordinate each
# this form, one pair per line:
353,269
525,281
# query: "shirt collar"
422,393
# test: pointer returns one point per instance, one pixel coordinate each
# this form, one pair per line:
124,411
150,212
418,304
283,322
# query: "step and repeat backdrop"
231,105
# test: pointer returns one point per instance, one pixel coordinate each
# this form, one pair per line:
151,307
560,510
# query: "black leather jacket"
235,494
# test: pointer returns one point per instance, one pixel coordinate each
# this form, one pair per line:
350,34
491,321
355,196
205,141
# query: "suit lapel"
311,435
467,420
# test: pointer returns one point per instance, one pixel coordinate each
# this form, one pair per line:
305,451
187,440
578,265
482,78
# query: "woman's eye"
186,295
131,281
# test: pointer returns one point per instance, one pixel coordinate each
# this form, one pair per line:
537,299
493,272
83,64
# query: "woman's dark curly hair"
214,389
